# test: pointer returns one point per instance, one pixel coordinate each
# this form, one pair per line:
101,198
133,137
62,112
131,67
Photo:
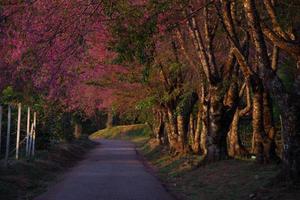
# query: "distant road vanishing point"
111,171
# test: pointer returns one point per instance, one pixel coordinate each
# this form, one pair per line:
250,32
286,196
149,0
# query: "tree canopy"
193,69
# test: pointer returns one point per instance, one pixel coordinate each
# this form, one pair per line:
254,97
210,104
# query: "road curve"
111,171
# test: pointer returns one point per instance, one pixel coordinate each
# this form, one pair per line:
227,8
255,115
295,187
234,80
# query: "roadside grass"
137,133
228,179
26,179
186,179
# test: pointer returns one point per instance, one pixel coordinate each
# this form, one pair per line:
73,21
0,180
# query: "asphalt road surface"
111,171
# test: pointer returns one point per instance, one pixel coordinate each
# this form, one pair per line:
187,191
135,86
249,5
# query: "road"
111,171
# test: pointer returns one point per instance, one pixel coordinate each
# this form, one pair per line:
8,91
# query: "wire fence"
20,136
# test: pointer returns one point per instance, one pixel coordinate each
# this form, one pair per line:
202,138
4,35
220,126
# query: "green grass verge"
228,179
138,133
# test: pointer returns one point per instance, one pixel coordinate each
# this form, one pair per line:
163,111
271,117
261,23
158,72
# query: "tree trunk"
263,127
258,123
204,129
235,148
191,130
286,102
110,116
291,132
196,139
231,100
182,133
215,142
269,125
77,130
160,128
173,131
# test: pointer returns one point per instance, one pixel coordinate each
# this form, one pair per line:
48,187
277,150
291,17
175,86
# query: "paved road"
112,171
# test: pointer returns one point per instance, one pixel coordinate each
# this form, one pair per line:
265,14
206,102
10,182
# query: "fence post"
30,140
8,135
18,130
1,111
34,134
28,131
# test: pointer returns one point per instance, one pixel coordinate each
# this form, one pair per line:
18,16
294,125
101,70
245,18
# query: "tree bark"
160,128
215,144
110,115
269,125
286,102
173,131
191,129
196,139
235,147
204,129
258,123
182,133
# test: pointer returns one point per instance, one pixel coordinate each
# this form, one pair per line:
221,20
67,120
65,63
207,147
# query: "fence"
30,133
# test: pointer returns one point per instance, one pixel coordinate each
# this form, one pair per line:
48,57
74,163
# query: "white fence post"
18,130
30,140
1,111
8,135
34,134
28,131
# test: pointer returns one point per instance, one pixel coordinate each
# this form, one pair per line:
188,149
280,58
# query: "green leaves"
132,31
9,96
147,103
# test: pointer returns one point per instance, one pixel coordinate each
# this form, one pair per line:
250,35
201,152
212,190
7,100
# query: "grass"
228,179
26,179
138,133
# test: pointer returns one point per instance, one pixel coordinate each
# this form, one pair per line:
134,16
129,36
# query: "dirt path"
112,171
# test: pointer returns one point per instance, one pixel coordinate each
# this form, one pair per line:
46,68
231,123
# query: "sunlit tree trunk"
196,137
286,102
213,138
235,147
263,127
216,142
213,134
258,123
204,129
172,131
182,133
